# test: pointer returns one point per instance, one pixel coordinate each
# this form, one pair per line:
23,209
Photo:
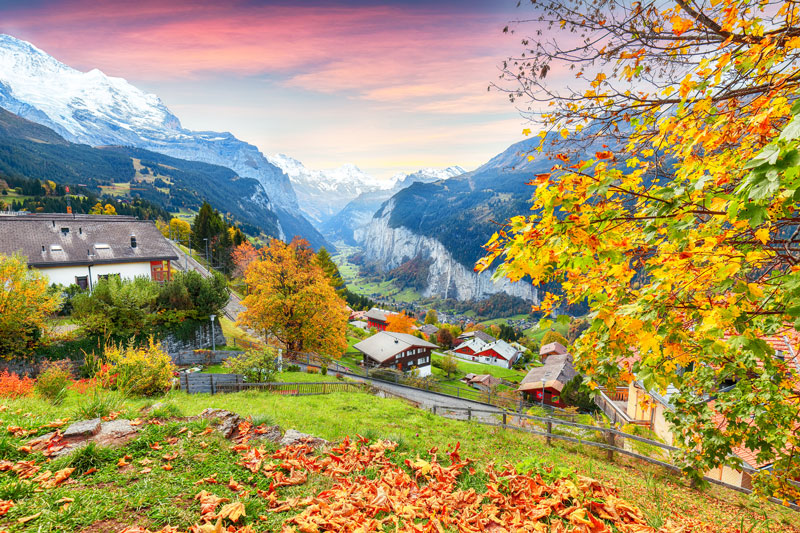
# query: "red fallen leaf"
111,416
235,486
170,456
5,506
184,429
123,461
206,431
211,479
155,446
171,440
167,467
89,472
137,422
145,470
208,502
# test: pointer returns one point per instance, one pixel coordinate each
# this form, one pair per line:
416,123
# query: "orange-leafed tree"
25,304
400,323
291,300
242,256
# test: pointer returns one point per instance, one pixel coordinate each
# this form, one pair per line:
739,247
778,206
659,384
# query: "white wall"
424,371
66,275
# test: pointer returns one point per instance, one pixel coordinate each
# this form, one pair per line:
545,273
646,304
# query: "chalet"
428,329
360,324
474,335
378,318
493,352
81,249
553,348
397,350
545,383
484,382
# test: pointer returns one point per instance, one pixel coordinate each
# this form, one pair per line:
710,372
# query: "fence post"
213,385
549,431
610,442
434,409
469,413
504,419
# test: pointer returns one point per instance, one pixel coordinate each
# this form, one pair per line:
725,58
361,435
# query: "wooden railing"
620,394
607,438
294,389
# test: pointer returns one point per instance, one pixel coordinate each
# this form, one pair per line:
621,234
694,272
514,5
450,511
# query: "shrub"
324,370
141,370
53,380
292,368
554,336
13,386
311,370
257,365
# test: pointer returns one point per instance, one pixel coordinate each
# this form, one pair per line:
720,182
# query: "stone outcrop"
447,278
293,437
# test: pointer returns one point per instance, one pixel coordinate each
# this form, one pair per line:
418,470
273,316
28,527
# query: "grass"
498,321
360,285
132,495
117,189
283,377
467,367
231,332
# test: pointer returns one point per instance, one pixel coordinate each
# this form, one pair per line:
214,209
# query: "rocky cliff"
447,278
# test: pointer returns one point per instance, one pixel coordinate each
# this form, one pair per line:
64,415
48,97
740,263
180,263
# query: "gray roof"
556,372
478,334
428,329
58,239
386,344
377,314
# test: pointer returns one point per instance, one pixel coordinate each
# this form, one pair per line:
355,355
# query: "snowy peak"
30,78
425,175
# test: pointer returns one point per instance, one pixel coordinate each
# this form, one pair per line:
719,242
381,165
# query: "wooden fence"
198,383
295,389
606,438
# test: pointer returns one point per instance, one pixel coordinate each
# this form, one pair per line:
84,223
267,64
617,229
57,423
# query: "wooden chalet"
399,351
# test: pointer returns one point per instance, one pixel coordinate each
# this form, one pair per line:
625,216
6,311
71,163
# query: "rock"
83,429
69,448
271,433
293,437
227,421
116,433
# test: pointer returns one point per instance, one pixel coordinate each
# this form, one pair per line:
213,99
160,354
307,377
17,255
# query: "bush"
53,380
292,368
311,370
142,371
13,386
257,366
324,370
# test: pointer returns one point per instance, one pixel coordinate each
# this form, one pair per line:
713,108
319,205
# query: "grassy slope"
466,367
127,496
360,285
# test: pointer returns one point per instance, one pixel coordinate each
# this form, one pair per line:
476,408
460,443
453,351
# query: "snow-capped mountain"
95,109
345,225
323,193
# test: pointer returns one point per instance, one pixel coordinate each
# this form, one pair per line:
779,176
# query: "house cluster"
400,351
82,249
481,347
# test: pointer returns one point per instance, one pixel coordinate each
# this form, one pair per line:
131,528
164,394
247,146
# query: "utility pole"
208,265
213,338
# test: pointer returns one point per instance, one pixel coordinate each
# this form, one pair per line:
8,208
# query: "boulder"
227,422
270,433
293,437
83,429
116,433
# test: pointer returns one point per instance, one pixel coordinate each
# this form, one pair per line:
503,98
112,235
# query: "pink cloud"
384,54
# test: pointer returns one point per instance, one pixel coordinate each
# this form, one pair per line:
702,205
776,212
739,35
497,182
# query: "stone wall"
201,339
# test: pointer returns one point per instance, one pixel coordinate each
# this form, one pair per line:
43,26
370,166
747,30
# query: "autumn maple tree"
670,206
291,299
400,323
25,304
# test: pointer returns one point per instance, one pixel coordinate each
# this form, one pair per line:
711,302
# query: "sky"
391,86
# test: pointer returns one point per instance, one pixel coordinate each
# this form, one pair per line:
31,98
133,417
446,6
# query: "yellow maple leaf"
762,235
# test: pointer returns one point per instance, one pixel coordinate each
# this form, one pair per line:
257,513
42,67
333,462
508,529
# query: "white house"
81,249
483,348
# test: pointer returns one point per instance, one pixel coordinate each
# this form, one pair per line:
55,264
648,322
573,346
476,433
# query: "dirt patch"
113,525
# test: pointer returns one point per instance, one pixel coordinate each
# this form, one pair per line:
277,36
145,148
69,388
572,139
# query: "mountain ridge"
95,109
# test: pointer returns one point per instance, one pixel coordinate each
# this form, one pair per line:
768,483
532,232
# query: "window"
100,246
82,282
133,241
56,248
64,231
420,361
